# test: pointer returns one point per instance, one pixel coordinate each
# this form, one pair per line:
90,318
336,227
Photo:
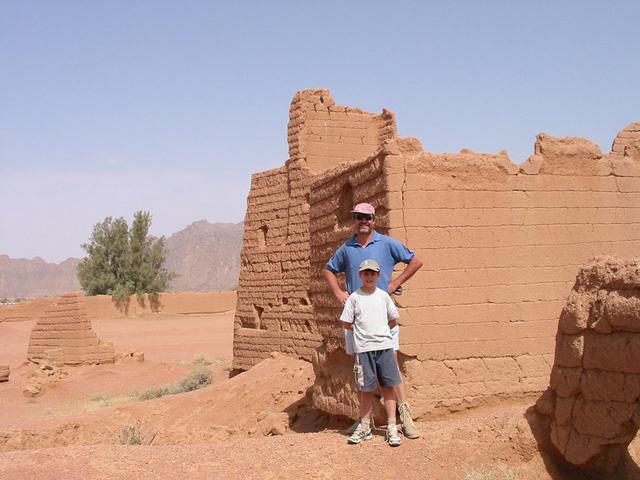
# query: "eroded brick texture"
595,381
274,311
64,336
4,373
501,244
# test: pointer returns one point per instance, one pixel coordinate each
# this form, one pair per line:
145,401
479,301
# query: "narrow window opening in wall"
262,236
304,301
345,205
285,301
257,314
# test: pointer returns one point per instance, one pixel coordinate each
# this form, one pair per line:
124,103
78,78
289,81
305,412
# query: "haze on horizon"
113,107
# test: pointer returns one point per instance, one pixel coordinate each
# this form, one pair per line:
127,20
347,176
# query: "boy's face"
369,278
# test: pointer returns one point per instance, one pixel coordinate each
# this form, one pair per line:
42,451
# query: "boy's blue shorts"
379,366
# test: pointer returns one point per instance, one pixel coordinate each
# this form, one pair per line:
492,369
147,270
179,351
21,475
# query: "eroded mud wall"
274,311
592,403
501,244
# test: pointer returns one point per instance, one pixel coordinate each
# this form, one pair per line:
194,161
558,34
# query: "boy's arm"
347,325
393,323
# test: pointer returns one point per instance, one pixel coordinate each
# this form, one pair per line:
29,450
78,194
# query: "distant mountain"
36,278
205,257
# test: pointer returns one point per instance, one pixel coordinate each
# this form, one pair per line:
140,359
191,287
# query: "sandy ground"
255,425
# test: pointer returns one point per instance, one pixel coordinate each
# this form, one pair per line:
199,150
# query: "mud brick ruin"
592,402
63,336
502,244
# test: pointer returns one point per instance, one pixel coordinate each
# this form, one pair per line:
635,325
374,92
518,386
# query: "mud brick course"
595,382
4,373
501,243
63,336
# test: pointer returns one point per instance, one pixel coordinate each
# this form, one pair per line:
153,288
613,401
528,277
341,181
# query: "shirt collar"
352,242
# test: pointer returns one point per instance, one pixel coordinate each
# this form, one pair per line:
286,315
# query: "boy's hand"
393,323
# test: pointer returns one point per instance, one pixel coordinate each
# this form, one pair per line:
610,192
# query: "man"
365,244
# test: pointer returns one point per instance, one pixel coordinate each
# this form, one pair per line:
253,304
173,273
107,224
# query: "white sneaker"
355,425
360,435
393,437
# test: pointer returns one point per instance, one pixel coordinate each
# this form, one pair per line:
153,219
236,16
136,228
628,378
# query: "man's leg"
409,427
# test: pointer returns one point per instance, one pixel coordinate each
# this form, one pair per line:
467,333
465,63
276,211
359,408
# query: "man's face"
363,222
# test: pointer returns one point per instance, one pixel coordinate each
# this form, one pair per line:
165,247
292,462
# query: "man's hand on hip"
342,296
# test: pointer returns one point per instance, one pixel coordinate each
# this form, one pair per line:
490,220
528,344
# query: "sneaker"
408,426
355,425
361,434
393,437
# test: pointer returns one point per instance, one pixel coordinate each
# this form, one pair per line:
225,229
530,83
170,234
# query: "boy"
370,313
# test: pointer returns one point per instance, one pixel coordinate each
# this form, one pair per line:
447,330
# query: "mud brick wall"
63,335
592,403
274,311
501,244
4,373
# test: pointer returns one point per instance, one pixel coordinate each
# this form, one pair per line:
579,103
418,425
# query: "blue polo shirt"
385,250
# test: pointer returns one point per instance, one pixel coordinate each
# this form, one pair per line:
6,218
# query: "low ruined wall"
592,403
102,306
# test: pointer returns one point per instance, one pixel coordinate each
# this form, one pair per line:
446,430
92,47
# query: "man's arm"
412,267
332,280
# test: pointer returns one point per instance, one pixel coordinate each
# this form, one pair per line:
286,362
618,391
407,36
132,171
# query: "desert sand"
256,424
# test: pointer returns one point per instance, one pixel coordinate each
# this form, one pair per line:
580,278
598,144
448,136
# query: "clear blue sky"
111,107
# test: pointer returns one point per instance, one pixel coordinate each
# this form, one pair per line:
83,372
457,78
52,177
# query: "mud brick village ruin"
501,243
528,304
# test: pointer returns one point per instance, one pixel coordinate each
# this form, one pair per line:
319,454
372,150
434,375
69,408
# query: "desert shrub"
130,434
199,378
103,399
153,392
122,261
493,474
201,361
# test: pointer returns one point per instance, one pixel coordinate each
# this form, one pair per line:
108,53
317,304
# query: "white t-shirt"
370,314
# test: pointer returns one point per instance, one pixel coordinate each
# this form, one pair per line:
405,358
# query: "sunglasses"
363,216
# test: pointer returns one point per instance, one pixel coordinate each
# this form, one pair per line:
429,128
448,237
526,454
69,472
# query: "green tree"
122,261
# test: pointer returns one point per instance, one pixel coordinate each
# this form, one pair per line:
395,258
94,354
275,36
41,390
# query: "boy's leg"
367,388
389,377
390,403
366,404
363,431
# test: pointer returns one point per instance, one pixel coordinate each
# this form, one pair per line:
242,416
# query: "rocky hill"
205,256
36,278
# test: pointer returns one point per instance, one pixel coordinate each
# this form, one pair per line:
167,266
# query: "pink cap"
364,208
